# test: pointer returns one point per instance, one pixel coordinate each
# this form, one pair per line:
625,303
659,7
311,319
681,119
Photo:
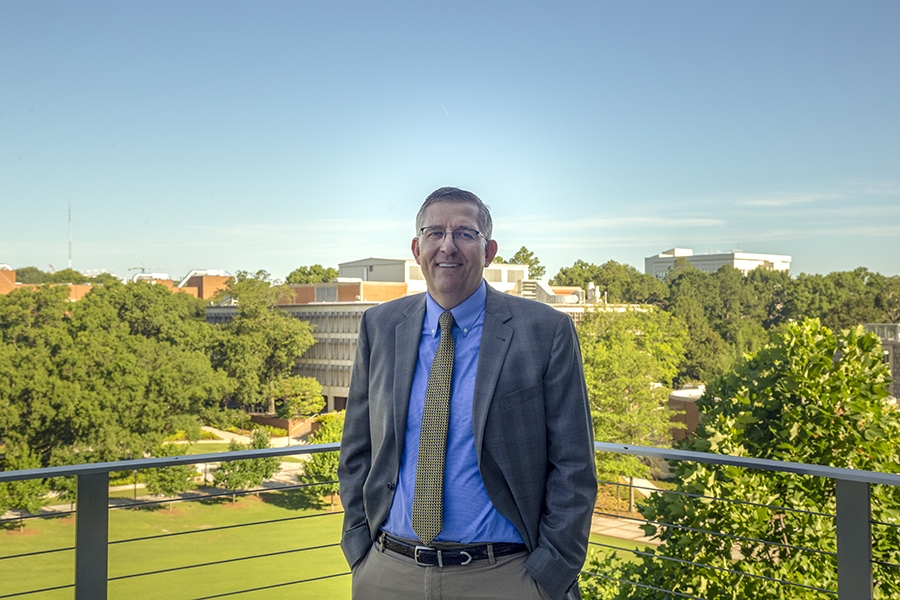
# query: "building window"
494,275
326,294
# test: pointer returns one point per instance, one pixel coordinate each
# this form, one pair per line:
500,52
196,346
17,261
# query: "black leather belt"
430,557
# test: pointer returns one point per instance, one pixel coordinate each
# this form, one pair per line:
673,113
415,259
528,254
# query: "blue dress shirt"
469,516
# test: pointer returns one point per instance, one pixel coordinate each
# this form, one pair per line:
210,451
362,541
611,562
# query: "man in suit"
466,466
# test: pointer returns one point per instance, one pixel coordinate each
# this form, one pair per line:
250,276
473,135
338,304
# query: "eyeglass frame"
452,234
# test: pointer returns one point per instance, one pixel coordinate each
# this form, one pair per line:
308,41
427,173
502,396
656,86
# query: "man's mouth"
448,265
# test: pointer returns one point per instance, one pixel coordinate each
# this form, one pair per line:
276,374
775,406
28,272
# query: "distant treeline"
112,375
729,314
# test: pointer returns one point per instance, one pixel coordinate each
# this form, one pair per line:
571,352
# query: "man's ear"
415,249
490,251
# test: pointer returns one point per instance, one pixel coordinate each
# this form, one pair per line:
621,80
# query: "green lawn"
602,539
207,448
47,570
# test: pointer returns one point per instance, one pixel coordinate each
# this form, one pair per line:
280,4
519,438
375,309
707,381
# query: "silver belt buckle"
440,557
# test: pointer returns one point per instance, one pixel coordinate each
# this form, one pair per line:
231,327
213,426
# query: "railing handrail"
765,464
852,514
167,461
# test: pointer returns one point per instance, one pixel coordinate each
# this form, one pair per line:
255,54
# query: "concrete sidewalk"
621,528
227,436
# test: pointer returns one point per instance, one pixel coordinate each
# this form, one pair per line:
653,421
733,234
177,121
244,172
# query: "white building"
745,262
500,276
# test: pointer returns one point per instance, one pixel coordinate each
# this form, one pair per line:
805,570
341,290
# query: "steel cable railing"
853,556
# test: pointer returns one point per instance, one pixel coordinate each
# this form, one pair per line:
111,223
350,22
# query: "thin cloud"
842,191
547,223
789,199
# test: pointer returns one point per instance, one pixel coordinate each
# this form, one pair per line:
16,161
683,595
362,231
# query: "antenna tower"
70,235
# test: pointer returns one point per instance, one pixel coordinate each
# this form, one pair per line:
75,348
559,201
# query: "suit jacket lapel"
495,340
407,335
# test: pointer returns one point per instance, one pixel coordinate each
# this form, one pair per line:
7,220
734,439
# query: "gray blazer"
530,413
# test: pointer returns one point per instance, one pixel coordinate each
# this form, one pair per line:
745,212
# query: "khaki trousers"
385,575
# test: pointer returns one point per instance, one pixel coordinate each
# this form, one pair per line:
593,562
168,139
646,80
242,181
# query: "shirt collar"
465,314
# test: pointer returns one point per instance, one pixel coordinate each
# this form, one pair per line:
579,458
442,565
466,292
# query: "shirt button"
391,486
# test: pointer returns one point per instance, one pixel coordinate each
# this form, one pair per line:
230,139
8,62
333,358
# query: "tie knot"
446,321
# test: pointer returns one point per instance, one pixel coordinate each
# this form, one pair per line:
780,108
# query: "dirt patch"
172,512
23,532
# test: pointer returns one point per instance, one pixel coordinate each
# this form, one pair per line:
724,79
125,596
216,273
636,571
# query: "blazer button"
391,486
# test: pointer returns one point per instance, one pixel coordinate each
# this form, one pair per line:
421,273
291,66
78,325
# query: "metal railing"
853,518
92,538
91,548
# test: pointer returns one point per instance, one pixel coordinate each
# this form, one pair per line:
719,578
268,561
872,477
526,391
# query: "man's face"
452,270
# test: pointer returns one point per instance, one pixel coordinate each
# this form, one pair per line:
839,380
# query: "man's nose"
448,244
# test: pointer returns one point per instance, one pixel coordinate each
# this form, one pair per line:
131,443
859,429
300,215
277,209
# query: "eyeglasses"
436,235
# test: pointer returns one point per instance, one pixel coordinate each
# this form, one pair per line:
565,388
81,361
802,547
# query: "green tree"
810,396
170,481
66,276
888,299
693,295
245,474
772,289
311,274
260,344
630,359
31,275
298,397
524,256
79,384
320,471
27,495
621,284
840,299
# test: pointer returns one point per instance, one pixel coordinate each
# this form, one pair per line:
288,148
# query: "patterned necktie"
427,512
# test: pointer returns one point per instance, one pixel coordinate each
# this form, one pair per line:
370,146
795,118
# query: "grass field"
207,448
275,539
208,546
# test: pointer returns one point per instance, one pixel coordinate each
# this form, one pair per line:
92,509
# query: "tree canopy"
311,274
812,396
259,345
245,474
102,378
622,284
320,471
298,397
630,359
524,256
34,275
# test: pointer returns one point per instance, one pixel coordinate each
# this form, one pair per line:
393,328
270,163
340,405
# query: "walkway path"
620,528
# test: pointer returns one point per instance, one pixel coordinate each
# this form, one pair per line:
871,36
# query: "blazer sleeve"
356,455
571,480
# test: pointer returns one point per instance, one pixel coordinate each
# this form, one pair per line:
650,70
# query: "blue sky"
268,135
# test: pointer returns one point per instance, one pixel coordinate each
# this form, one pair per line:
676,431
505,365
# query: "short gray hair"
452,194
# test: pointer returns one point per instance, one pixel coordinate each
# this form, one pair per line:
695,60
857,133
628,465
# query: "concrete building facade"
890,341
660,264
503,277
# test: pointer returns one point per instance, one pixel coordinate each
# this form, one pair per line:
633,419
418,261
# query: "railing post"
854,540
92,537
